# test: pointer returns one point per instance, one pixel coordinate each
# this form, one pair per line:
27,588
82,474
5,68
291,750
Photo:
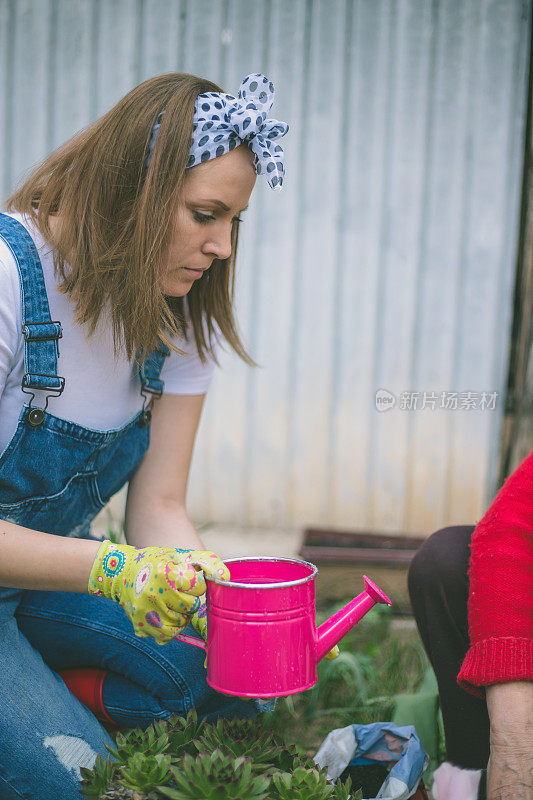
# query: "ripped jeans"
46,734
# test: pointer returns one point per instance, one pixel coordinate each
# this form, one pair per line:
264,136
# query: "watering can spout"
337,626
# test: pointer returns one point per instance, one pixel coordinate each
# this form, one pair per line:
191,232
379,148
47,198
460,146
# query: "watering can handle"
191,640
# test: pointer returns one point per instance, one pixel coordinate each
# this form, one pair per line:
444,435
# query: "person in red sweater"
471,589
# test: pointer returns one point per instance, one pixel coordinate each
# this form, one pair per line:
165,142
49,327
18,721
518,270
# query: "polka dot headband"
222,122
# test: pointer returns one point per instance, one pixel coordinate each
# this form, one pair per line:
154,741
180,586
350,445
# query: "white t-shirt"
100,392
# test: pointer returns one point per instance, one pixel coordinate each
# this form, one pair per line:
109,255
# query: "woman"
482,651
98,251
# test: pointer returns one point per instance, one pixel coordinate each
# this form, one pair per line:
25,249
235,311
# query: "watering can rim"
278,585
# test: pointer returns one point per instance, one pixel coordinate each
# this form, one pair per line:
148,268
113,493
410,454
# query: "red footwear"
87,684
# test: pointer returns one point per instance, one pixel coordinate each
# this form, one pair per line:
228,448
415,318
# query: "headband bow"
222,122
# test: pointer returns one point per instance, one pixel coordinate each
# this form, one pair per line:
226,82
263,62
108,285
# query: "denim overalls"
54,477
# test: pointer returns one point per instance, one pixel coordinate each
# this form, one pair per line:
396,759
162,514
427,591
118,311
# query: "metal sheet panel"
386,262
73,102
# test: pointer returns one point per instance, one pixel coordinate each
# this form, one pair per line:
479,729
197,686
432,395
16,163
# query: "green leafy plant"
216,776
150,741
342,791
307,784
143,773
96,780
227,760
182,732
241,737
287,758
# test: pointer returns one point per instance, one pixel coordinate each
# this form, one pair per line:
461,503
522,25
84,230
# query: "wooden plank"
333,537
350,555
336,583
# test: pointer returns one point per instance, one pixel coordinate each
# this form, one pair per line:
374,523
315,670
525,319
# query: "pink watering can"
262,637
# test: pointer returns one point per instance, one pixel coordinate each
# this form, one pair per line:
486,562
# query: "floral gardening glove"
199,621
158,587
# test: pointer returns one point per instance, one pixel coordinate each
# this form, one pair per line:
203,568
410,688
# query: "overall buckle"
42,331
154,392
36,415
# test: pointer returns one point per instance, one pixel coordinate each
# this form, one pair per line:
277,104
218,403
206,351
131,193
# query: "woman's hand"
158,587
510,772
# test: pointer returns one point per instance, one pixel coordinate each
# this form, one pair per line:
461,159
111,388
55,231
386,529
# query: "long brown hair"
116,217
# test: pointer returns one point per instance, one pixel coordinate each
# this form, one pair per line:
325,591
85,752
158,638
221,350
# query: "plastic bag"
377,743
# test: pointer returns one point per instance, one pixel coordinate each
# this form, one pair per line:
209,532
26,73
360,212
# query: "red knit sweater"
500,604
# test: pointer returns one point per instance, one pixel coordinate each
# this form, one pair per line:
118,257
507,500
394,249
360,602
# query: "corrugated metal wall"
387,262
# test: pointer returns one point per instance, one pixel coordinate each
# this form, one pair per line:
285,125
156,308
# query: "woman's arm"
155,507
33,560
499,664
155,515
510,769
500,608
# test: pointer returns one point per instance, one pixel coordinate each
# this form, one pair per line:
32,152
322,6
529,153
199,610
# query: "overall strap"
41,335
151,383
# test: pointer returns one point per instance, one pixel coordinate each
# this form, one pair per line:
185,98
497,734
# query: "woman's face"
214,194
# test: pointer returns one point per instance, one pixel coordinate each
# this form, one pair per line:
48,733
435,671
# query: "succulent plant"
215,776
342,791
240,737
183,759
96,780
143,773
288,758
181,733
302,784
150,741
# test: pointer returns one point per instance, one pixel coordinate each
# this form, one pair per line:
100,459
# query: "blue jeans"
46,734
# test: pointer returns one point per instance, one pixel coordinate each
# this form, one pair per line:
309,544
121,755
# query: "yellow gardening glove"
158,587
199,621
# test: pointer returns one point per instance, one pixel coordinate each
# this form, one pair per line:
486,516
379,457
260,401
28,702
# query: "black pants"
438,587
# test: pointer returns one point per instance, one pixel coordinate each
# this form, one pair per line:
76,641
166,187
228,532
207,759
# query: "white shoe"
453,783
